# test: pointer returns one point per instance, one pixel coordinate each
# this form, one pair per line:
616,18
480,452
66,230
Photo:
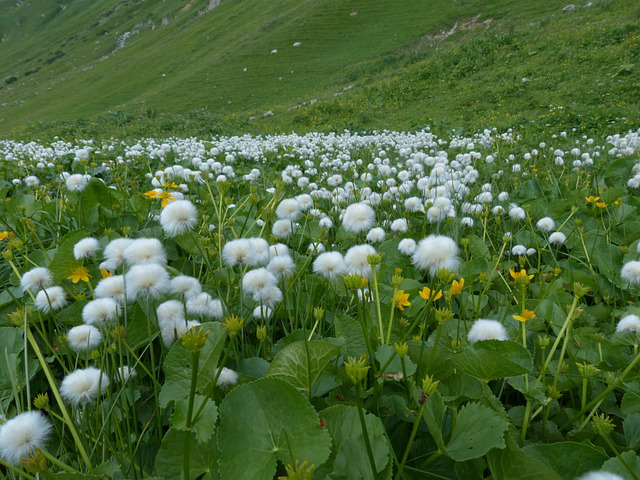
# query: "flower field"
390,305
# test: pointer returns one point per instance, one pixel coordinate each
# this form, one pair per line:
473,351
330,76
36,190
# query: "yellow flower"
151,194
105,273
525,316
426,294
592,199
601,205
402,300
166,198
520,276
618,202
170,185
457,286
9,235
79,273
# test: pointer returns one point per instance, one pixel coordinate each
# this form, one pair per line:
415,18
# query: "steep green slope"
361,64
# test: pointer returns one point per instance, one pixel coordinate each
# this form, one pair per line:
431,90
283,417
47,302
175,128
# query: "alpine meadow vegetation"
355,305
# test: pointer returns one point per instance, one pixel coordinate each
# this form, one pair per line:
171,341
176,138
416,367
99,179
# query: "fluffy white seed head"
150,280
546,224
36,279
600,475
257,280
281,267
629,324
236,252
100,311
259,252
173,331
52,298
486,330
289,209
82,386
407,246
86,248
21,435
111,287
178,217
278,249
358,217
83,338
114,251
169,313
186,286
375,235
269,296
76,182
143,251
356,260
282,228
227,377
330,265
436,252
631,271
557,238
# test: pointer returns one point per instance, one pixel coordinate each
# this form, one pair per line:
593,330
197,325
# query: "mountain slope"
361,63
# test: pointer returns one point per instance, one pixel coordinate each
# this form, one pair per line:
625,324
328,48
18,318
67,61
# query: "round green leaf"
491,359
478,429
265,421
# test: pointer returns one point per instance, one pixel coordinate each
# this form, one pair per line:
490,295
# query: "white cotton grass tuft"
143,251
254,281
86,248
111,287
178,217
289,209
486,330
236,252
629,324
21,435
100,311
185,286
76,182
356,260
259,252
125,373
375,235
36,279
600,475
546,224
330,265
83,338
436,252
407,246
204,306
169,313
269,296
517,213
283,229
173,331
261,312
227,378
358,217
281,267
631,271
278,249
114,252
557,238
52,298
82,386
150,280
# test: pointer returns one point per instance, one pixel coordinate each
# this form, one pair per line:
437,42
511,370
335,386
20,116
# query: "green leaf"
433,416
204,425
63,261
350,334
478,429
568,459
265,421
491,359
385,352
202,457
631,427
301,363
512,463
177,365
349,458
614,465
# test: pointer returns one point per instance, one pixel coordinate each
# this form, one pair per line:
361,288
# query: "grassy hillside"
71,67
